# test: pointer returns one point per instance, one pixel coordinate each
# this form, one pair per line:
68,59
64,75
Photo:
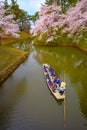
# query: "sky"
31,6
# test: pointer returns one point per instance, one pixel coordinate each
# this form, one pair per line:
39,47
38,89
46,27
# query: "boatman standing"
62,88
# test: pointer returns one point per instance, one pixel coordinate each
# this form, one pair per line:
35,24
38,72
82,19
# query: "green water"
27,104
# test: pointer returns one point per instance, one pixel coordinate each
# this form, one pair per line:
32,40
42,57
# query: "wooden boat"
55,93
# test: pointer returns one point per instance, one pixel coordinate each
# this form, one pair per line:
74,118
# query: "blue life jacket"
52,73
47,76
50,83
45,69
56,80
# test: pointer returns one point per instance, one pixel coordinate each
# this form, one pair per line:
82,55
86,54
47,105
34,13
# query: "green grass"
23,35
8,57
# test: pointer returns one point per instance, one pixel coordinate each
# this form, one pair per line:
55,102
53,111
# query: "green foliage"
61,2
6,6
38,41
61,38
72,2
23,36
34,17
58,39
83,40
64,3
20,14
48,2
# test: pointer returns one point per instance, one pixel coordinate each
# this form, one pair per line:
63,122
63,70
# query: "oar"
64,104
64,78
64,112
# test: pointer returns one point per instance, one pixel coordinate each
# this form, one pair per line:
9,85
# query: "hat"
63,83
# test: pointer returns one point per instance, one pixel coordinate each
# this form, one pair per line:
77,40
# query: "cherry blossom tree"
8,26
47,22
51,20
75,21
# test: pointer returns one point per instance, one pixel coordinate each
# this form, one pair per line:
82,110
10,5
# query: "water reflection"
26,102
8,102
73,63
22,45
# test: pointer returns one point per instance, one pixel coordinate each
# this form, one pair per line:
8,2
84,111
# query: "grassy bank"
10,59
62,39
23,35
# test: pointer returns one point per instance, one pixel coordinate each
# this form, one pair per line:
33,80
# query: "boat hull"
56,94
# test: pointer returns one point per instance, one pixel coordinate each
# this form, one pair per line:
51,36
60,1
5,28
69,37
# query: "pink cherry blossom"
51,19
7,25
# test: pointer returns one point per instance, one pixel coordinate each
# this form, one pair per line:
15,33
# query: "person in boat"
51,84
62,88
45,69
50,68
57,82
52,73
47,76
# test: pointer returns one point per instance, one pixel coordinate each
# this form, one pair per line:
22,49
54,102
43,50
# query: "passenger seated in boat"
46,65
47,76
50,83
62,88
45,69
57,82
50,68
52,73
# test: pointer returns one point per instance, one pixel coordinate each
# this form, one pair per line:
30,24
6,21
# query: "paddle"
64,112
64,83
64,104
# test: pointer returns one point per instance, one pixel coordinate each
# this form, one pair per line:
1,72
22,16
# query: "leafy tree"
72,2
51,20
34,17
8,26
6,6
20,15
64,3
49,2
15,10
